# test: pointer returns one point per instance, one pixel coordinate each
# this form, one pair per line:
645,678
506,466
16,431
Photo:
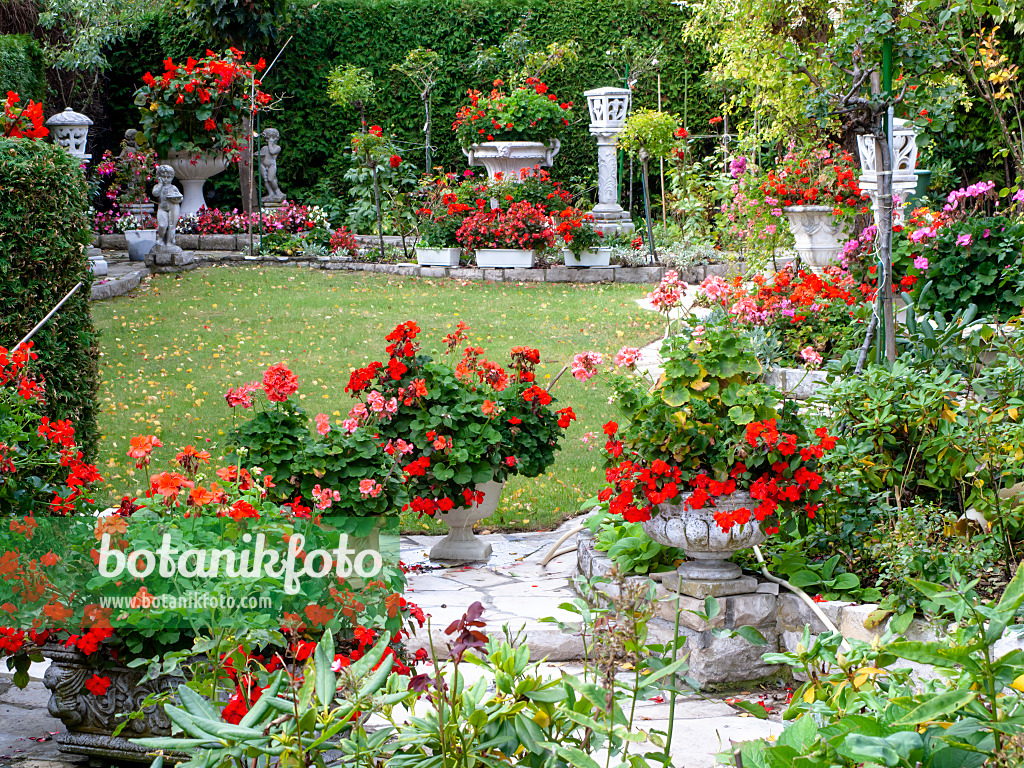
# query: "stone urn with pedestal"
707,574
819,235
193,170
462,543
510,157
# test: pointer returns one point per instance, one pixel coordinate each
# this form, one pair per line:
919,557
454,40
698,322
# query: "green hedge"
22,68
44,229
378,33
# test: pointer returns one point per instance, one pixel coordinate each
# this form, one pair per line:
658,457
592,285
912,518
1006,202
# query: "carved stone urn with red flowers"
708,459
193,116
461,425
507,132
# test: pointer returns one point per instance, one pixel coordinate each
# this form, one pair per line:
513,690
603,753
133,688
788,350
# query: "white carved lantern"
904,164
608,109
70,130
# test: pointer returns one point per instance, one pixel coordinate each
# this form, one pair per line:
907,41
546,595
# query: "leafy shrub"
44,228
629,547
22,68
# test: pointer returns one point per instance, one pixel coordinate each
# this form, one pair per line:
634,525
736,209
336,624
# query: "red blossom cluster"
23,122
522,225
825,178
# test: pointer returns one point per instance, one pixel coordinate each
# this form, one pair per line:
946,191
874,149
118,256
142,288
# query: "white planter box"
505,258
438,257
595,257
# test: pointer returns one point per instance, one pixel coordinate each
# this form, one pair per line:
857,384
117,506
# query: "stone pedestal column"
609,217
608,109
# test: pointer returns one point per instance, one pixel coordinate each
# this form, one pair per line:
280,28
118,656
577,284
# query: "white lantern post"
904,164
608,110
70,130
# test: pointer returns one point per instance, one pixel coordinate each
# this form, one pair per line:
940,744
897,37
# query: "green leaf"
871,749
755,709
938,707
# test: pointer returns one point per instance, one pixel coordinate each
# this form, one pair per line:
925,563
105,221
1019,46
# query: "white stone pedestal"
608,109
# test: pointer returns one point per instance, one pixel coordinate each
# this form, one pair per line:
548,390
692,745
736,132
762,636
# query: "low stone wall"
719,663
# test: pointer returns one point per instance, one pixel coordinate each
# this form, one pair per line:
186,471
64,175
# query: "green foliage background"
22,68
44,229
378,33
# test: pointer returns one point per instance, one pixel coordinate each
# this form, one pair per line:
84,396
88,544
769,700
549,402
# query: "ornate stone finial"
268,165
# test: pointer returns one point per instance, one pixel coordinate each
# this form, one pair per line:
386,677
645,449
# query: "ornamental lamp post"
608,109
70,130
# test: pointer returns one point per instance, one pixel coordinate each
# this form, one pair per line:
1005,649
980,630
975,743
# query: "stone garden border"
798,383
728,663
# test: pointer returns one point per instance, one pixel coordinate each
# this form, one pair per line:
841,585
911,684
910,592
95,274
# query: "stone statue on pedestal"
268,164
165,256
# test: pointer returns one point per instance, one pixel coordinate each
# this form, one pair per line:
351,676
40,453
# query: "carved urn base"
819,235
709,547
192,171
91,720
510,157
462,543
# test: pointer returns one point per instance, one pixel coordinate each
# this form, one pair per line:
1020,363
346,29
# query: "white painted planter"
140,242
193,172
438,257
819,235
462,543
511,157
700,537
505,258
595,257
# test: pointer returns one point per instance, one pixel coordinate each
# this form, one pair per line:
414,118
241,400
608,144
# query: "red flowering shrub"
823,176
343,241
704,431
524,225
197,106
530,112
24,122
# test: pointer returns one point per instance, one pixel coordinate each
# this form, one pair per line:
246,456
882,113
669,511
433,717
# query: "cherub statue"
268,164
168,198
130,144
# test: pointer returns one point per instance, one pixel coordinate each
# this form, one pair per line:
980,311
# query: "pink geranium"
584,365
627,357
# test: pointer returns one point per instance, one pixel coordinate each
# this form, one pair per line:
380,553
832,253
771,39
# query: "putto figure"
268,164
168,199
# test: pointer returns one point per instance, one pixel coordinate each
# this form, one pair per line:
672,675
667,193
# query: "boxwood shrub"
44,231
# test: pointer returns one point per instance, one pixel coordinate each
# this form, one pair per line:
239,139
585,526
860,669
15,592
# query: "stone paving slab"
27,730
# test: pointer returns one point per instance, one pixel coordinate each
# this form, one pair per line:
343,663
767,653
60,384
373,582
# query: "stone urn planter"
819,235
91,720
505,258
438,257
193,171
595,257
702,539
140,242
461,543
511,157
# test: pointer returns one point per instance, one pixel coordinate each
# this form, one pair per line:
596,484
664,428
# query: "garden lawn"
169,353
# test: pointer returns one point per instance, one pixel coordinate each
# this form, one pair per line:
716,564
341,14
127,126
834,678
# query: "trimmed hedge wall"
378,33
44,229
22,68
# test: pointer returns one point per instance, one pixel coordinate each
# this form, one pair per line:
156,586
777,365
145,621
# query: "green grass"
170,353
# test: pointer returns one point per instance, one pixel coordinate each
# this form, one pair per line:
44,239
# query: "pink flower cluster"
627,357
669,292
974,190
584,365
